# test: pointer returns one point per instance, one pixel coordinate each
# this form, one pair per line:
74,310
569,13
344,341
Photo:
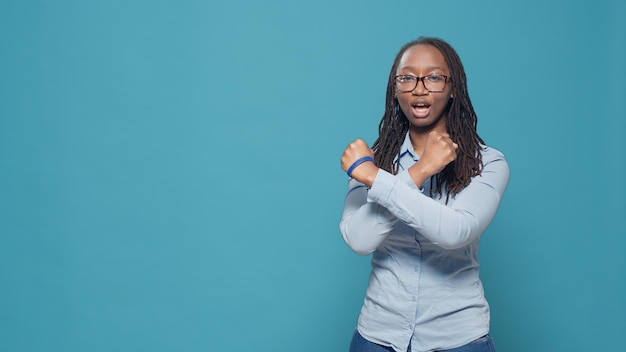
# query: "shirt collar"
407,148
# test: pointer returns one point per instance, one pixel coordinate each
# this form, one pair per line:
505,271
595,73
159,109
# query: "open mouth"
420,105
420,109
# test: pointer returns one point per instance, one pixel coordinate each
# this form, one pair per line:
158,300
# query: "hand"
439,151
364,173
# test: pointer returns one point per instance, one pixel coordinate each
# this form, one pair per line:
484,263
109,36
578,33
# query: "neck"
418,135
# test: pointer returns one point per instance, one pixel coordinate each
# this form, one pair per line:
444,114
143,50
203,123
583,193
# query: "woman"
419,201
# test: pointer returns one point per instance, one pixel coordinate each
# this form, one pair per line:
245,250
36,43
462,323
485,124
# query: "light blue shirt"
424,288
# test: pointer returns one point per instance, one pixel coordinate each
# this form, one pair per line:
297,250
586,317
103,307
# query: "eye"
405,79
434,78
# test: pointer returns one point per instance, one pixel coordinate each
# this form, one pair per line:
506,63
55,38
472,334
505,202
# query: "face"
424,109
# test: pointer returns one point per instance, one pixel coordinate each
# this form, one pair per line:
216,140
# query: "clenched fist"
439,151
364,173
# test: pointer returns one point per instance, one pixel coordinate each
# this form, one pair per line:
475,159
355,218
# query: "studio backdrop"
170,176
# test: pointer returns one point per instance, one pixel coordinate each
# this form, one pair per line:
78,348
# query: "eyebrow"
428,68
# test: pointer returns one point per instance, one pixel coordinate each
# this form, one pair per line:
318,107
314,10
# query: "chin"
424,122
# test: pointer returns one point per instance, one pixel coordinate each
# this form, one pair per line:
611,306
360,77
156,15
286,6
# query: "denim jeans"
360,344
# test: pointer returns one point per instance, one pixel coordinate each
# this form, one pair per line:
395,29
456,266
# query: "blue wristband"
357,163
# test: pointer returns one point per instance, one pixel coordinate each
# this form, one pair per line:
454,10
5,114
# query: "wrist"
419,174
357,163
363,170
369,172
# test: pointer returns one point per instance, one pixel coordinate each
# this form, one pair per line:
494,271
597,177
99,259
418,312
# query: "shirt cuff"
385,182
405,177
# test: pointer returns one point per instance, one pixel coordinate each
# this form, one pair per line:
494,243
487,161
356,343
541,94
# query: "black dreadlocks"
461,122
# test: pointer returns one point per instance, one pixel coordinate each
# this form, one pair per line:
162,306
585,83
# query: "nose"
420,88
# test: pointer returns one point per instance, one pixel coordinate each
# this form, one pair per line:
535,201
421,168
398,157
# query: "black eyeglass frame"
418,79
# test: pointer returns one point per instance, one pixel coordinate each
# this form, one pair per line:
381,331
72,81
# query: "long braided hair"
461,122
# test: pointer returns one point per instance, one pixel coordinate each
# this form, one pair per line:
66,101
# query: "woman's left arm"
450,226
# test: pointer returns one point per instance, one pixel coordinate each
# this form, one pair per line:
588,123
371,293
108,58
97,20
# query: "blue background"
170,180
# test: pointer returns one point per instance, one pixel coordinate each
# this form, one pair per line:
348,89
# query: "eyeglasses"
433,83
